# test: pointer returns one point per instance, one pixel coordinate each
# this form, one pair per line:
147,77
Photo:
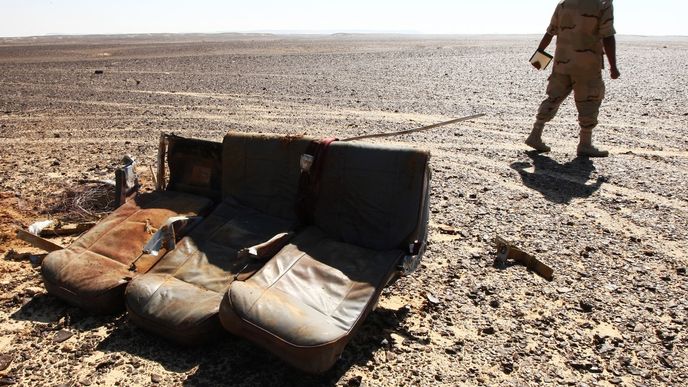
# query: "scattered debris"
96,181
66,229
37,241
506,251
448,230
432,298
126,181
84,203
37,227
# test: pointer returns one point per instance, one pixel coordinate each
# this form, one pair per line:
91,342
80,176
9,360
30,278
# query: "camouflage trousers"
588,92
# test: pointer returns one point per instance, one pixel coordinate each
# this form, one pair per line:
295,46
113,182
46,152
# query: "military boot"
535,139
585,147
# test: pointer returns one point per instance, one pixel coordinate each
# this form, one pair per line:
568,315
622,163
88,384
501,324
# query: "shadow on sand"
559,183
229,360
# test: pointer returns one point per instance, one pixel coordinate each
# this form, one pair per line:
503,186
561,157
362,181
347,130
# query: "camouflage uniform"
580,26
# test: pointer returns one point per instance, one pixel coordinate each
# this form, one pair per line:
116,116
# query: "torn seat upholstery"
180,297
93,272
307,302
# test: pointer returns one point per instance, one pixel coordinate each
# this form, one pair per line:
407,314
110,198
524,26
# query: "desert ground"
614,230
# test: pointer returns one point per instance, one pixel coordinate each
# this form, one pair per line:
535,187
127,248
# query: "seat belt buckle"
306,162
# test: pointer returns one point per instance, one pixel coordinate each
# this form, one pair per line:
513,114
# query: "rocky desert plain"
614,230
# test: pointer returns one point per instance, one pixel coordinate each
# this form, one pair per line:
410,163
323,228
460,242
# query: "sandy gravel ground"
614,229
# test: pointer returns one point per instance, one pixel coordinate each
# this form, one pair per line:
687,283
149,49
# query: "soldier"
583,28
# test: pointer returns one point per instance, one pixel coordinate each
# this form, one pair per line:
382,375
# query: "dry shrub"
82,203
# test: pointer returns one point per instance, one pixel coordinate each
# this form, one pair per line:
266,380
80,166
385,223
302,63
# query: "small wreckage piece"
507,251
126,186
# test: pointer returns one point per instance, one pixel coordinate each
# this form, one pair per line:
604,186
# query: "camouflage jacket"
580,26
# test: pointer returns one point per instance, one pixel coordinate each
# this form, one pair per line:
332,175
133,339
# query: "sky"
42,17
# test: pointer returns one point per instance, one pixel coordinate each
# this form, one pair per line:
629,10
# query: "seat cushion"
93,271
308,300
179,298
173,308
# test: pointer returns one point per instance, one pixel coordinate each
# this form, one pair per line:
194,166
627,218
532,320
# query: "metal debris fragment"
37,241
507,251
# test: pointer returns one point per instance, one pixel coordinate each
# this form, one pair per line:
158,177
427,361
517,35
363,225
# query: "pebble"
155,378
62,335
33,290
585,306
5,361
355,381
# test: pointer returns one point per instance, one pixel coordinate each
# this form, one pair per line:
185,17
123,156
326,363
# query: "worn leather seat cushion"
304,303
93,271
307,302
179,298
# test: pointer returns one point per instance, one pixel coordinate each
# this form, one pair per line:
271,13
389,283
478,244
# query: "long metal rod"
378,135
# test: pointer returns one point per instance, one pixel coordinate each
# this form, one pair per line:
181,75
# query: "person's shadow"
559,183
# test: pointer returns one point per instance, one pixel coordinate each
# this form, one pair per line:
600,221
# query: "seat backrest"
372,196
195,166
261,171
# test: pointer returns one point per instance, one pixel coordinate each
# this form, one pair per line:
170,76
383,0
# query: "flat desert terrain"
614,230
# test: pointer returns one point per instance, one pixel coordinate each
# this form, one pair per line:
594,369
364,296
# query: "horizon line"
301,33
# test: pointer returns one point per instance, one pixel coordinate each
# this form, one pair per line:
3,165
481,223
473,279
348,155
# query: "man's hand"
610,49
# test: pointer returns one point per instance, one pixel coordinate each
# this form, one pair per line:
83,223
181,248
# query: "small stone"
33,290
488,330
681,271
7,381
62,335
432,298
155,378
507,367
666,362
585,306
5,361
494,304
355,381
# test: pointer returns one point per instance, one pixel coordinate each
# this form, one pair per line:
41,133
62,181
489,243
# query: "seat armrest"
266,249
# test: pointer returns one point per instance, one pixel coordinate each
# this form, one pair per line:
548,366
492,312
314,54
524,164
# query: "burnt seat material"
93,271
305,304
180,297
